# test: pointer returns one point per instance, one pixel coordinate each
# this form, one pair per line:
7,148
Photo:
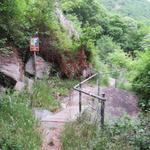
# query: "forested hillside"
76,39
137,9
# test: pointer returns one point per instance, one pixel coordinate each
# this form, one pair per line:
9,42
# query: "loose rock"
42,67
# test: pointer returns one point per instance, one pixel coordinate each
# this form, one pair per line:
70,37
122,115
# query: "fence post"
80,99
102,111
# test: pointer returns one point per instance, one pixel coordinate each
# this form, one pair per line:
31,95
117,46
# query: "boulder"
19,86
42,67
87,72
7,81
11,70
29,84
42,114
26,83
2,89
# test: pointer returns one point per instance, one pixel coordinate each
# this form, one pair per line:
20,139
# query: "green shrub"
120,59
105,45
122,134
141,138
82,134
141,82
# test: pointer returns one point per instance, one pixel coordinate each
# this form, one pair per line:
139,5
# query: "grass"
47,93
18,127
125,86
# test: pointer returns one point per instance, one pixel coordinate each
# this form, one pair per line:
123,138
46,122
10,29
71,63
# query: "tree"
105,45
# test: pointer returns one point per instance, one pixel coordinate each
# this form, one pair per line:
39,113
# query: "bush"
18,128
141,82
105,45
120,59
124,134
141,138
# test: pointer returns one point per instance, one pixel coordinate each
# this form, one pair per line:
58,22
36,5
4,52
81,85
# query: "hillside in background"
137,9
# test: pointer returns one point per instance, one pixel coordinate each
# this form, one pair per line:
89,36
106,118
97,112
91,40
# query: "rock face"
67,24
87,72
11,70
74,64
2,89
29,84
19,86
42,67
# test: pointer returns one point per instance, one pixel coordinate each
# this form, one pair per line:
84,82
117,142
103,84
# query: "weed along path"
118,103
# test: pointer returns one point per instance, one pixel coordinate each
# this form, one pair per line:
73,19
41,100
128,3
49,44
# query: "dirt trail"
118,103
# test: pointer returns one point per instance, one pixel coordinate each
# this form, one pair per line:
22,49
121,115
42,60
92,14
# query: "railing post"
102,111
80,99
115,82
98,84
35,66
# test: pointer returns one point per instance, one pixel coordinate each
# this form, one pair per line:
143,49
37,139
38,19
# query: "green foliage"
43,96
125,86
90,33
87,11
146,42
141,83
106,32
105,45
18,128
13,22
125,32
21,19
120,59
136,9
142,137
122,134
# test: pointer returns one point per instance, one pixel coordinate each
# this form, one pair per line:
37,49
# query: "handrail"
101,99
93,77
90,94
86,80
